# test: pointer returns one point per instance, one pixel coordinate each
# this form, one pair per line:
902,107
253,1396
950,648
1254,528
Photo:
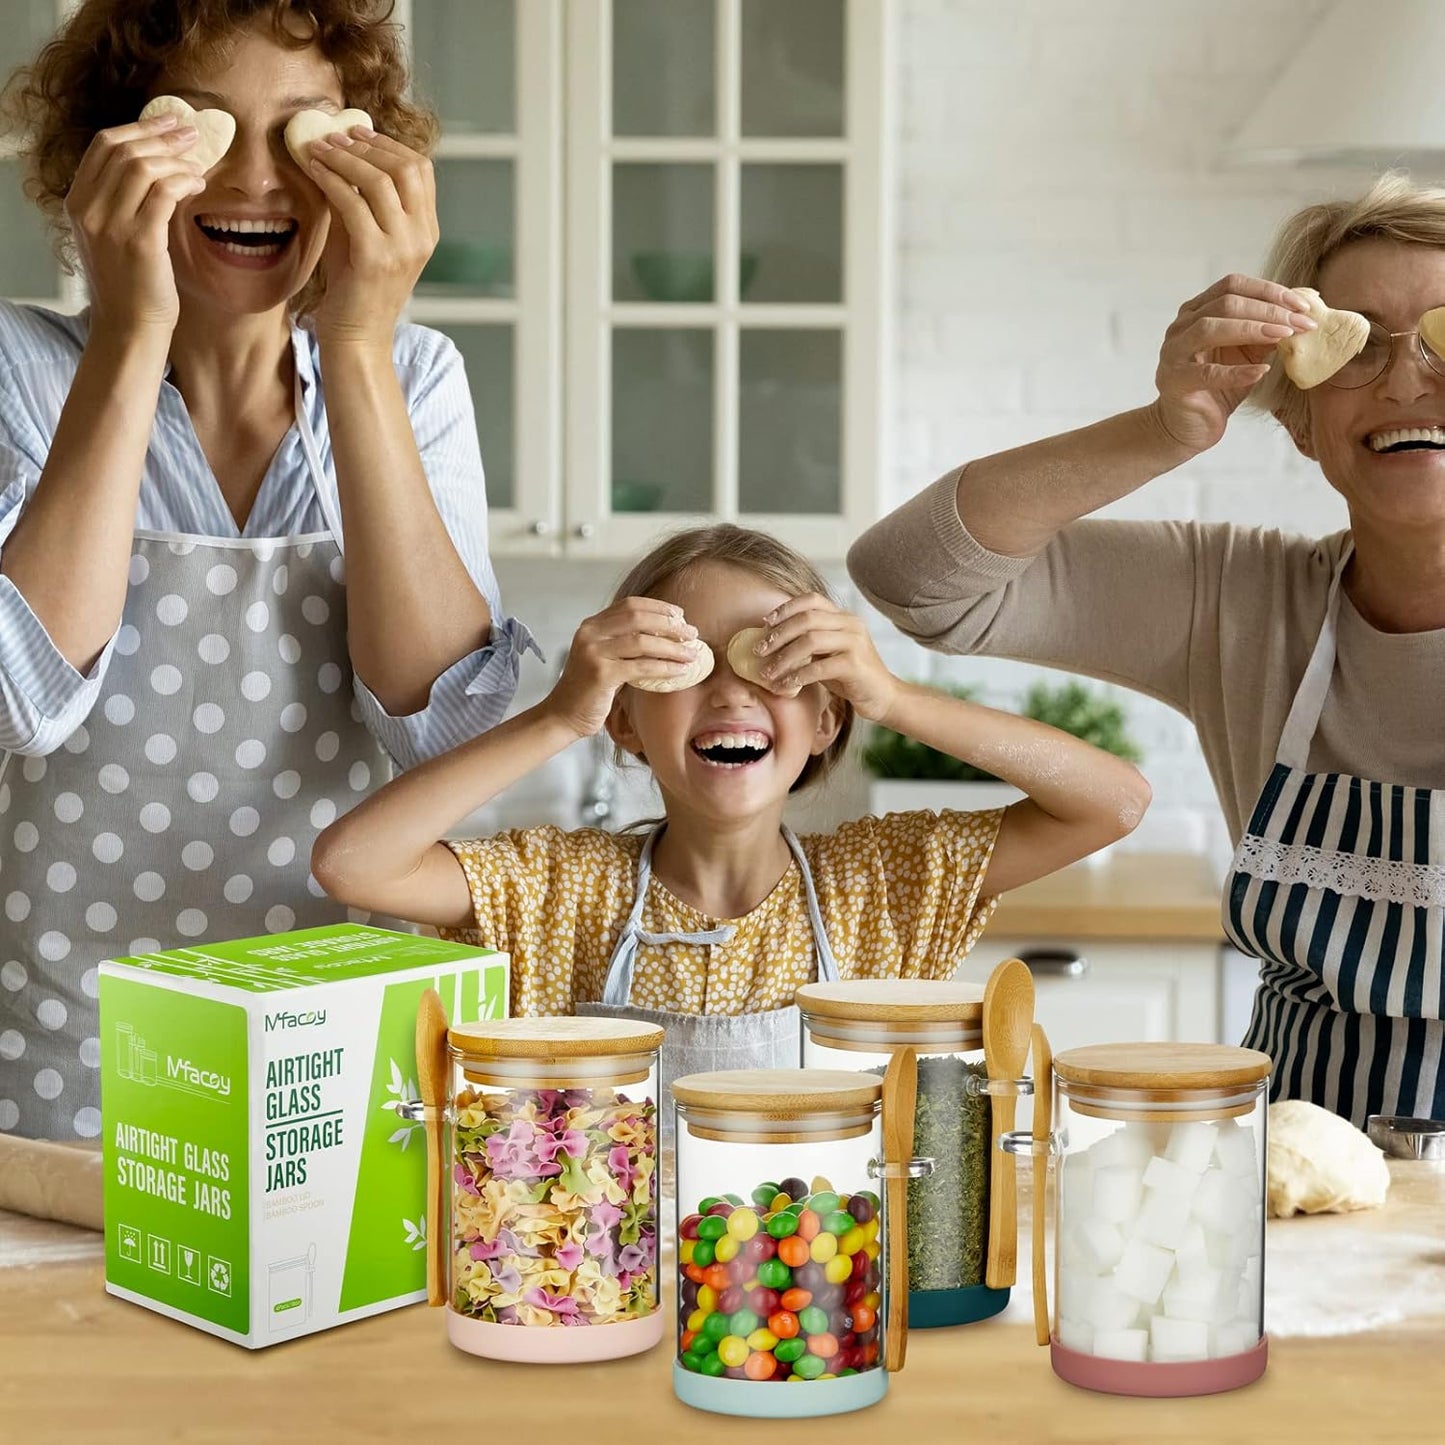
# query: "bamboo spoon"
900,1096
1008,1017
431,1069
1043,1124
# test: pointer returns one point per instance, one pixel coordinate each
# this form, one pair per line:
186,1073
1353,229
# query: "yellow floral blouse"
899,897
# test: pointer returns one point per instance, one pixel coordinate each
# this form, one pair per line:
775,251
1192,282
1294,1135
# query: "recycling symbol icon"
219,1276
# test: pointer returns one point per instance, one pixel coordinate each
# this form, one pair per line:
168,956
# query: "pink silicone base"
530,1345
1133,1377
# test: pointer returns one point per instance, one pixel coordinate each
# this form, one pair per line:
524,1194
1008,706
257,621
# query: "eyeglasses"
1374,357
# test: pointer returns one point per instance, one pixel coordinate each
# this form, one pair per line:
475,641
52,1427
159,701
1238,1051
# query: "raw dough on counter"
215,129
700,667
51,1180
1311,357
309,125
1320,1163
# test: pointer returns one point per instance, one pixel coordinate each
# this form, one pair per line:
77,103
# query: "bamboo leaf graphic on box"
415,1233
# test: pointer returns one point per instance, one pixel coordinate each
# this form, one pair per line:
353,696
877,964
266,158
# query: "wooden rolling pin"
52,1181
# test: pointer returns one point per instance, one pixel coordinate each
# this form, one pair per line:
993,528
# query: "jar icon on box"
860,1024
792,1238
1159,1232
551,1174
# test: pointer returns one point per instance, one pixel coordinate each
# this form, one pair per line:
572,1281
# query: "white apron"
698,1043
1338,888
185,806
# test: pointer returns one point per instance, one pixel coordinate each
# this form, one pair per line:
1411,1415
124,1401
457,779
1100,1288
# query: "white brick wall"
1060,193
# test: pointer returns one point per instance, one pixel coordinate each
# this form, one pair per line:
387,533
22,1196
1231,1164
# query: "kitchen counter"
80,1366
1122,895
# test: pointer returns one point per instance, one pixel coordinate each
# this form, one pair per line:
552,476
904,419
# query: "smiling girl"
711,920
192,681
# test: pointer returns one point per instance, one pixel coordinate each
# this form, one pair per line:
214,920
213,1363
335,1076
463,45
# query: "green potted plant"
908,774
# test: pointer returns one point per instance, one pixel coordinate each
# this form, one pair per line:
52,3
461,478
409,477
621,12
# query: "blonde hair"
750,551
1393,209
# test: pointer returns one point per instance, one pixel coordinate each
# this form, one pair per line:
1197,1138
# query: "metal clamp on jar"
790,1266
1159,1221
550,1163
860,1025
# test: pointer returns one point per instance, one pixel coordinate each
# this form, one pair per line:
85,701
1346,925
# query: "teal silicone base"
763,1400
932,1309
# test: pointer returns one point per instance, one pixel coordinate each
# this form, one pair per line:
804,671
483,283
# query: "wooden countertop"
80,1366
1122,896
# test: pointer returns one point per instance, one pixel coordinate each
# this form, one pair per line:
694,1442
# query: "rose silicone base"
933,1309
763,1400
1136,1377
553,1345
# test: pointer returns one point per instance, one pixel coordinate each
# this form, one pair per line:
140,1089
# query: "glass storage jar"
784,1243
1159,1243
859,1025
552,1163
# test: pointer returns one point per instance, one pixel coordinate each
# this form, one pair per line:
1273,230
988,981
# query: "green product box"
259,1183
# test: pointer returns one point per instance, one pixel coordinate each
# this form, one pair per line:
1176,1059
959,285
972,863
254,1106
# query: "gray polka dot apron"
1338,888
184,808
698,1043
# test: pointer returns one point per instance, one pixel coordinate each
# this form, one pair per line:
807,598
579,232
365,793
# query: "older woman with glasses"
1312,668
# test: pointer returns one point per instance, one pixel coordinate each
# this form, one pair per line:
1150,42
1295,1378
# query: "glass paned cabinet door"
724,151
28,266
488,353
464,63
492,70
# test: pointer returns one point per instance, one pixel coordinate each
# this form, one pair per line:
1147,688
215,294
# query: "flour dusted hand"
1320,1163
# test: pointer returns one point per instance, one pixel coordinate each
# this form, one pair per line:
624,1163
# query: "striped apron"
1338,888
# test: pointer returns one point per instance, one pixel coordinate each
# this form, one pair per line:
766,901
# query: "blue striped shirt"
43,699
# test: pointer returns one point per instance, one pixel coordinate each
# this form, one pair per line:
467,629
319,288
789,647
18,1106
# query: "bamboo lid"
893,1000
554,1038
1162,1066
778,1093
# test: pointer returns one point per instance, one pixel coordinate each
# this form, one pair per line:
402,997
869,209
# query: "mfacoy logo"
183,1071
286,1019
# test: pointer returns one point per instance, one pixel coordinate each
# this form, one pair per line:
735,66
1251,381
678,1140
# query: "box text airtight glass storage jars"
859,1025
552,1146
783,1246
1160,1244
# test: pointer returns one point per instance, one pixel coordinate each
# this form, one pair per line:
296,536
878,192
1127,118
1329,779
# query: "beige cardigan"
1216,620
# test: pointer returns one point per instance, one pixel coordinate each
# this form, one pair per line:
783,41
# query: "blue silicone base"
763,1400
932,1309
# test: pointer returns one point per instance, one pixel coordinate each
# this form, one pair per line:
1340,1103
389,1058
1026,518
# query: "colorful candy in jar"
784,1285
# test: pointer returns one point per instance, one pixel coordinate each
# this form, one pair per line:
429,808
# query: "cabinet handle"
584,530
1056,962
539,528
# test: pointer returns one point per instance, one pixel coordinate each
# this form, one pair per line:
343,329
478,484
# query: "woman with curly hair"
243,559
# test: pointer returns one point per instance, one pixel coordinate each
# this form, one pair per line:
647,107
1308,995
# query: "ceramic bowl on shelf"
632,496
467,263
686,275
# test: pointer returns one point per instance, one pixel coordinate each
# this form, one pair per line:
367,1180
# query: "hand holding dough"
748,665
697,669
1320,1163
1311,357
309,125
215,129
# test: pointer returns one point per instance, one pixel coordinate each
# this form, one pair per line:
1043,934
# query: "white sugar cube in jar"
1160,1221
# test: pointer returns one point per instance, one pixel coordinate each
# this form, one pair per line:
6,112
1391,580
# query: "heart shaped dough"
1432,330
309,125
699,668
215,129
1311,357
748,665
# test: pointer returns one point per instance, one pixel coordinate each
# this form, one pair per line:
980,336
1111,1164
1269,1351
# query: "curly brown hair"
100,68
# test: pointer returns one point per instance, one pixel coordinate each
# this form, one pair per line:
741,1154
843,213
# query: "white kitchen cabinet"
1127,990
664,256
